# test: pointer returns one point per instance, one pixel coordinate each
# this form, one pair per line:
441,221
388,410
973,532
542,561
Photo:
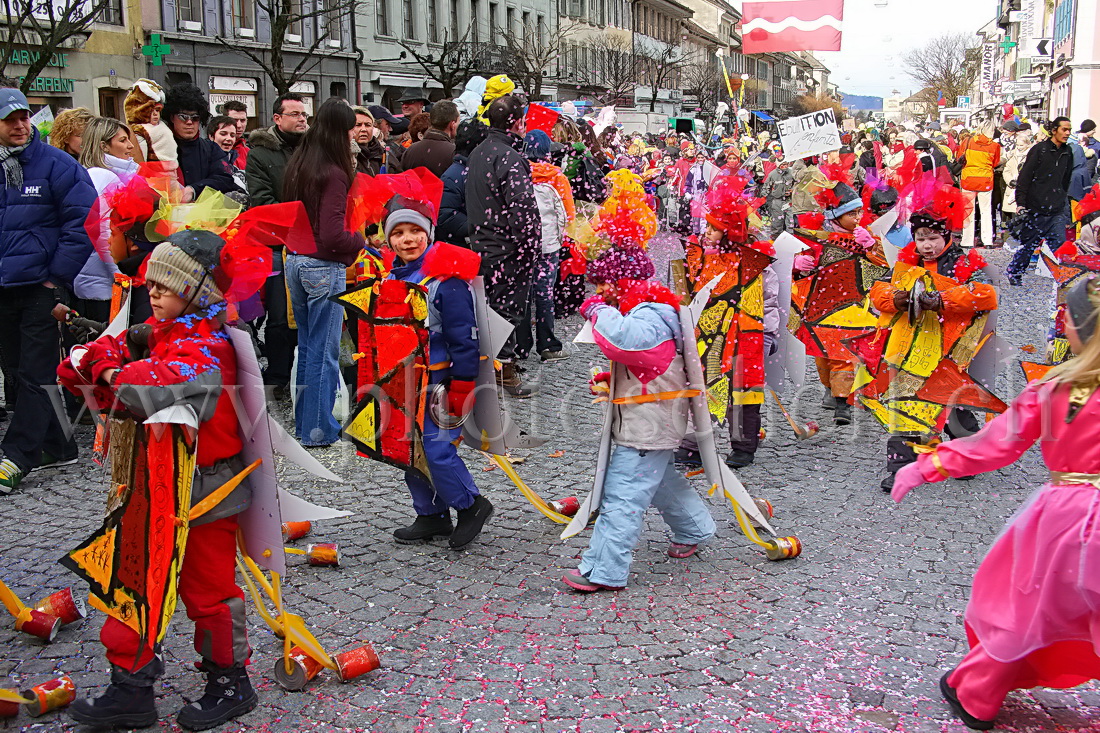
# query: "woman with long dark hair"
319,174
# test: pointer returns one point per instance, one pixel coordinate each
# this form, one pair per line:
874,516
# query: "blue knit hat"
537,145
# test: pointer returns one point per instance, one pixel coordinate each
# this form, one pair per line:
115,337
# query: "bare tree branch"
532,55
703,80
662,67
941,66
815,103
48,26
284,16
612,67
455,62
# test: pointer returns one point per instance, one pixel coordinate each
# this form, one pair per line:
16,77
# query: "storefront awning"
763,116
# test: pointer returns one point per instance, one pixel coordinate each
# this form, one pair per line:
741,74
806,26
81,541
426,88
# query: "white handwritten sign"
808,135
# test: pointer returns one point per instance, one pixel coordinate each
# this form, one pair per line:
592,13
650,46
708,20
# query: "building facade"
95,68
207,41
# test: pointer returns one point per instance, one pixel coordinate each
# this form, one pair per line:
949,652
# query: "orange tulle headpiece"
626,217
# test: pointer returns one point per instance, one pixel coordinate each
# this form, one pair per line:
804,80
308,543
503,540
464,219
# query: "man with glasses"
270,149
202,162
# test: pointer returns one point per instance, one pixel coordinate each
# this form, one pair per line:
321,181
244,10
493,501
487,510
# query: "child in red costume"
958,294
189,360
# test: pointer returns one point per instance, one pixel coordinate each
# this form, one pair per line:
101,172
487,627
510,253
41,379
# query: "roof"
679,9
694,28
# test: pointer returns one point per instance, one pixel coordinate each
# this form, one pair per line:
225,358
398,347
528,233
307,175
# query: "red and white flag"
791,25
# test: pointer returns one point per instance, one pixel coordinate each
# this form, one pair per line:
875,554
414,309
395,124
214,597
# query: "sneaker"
1016,280
887,483
48,460
952,699
10,476
678,551
471,521
688,457
558,355
739,458
842,413
424,528
578,582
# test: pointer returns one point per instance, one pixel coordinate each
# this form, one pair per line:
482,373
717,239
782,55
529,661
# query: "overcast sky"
876,38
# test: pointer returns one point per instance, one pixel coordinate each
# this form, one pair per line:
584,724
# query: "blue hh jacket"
42,233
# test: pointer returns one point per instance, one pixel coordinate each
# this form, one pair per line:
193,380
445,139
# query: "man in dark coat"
436,150
453,226
270,151
1042,196
505,227
43,245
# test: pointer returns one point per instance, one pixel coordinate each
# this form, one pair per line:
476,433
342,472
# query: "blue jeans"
636,480
451,485
1034,229
311,282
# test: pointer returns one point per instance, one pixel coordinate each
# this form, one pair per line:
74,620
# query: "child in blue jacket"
454,358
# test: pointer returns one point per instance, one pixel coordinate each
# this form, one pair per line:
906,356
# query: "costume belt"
1075,479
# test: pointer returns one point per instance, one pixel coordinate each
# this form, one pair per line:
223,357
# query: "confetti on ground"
1028,348
557,454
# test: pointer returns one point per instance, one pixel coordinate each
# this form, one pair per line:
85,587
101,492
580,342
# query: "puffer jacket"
42,233
500,201
96,279
552,215
453,226
453,349
646,348
1043,183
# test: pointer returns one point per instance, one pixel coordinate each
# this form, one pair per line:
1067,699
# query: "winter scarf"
9,159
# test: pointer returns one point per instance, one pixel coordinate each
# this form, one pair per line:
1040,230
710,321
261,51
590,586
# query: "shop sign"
49,85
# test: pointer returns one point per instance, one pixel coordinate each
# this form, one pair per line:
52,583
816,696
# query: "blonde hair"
365,112
69,123
97,134
564,131
1084,368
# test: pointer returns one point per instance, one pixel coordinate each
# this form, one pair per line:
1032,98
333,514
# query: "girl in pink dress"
1034,613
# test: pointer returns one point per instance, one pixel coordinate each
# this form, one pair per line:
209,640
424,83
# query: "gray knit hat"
402,210
184,263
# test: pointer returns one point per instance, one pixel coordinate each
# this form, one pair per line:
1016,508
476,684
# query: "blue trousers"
451,484
1036,229
311,283
635,481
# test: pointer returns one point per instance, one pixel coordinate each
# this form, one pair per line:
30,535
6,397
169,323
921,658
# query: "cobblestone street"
851,636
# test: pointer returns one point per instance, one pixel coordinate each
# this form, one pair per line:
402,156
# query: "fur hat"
185,264
143,97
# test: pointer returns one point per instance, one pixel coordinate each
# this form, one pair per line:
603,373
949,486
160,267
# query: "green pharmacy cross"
1007,44
156,50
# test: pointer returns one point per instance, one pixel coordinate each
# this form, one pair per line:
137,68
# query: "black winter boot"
470,522
426,527
228,695
842,413
127,703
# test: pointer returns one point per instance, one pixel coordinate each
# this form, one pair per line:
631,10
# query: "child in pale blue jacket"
636,325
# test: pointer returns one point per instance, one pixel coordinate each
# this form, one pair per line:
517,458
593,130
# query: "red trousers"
982,682
208,588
